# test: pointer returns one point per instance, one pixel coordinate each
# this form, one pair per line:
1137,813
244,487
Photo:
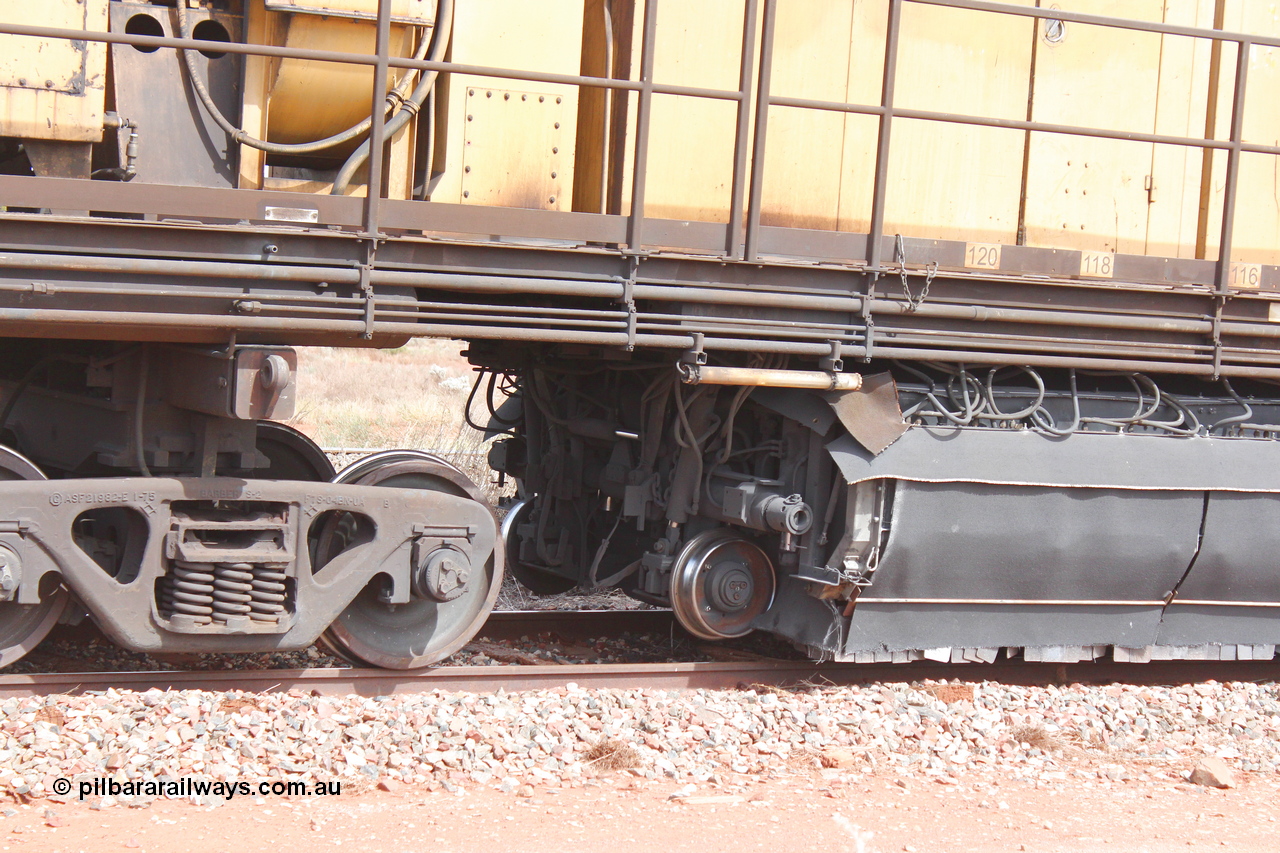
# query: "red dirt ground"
828,811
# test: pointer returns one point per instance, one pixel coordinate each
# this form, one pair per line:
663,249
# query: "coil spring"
267,597
231,587
188,589
207,592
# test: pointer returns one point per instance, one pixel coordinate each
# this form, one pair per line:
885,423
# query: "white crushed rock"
1073,735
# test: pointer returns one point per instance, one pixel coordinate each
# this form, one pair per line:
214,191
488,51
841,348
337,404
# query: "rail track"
577,625
753,670
665,676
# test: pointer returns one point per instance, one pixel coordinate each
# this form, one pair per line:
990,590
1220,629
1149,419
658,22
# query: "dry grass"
406,398
947,693
1035,736
612,754
237,705
52,715
411,397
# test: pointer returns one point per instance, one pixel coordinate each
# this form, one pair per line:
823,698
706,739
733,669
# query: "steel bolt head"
442,575
10,572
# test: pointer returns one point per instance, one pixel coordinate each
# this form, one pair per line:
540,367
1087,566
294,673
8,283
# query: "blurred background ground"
411,397
406,397
353,401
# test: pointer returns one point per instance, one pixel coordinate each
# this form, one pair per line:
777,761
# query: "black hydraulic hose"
1244,417
410,108
1046,422
394,97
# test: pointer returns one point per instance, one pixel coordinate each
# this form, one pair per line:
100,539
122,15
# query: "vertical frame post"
762,129
635,225
888,84
1223,272
1233,167
743,130
377,131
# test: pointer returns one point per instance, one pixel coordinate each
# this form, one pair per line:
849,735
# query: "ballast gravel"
1095,736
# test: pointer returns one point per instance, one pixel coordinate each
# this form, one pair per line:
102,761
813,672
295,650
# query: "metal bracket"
628,299
1220,302
695,354
857,555
366,288
868,322
832,363
436,531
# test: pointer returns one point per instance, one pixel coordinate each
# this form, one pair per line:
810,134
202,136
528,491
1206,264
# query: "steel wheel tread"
24,626
421,632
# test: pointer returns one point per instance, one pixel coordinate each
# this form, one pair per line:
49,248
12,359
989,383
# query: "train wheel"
423,631
719,583
23,626
536,580
292,455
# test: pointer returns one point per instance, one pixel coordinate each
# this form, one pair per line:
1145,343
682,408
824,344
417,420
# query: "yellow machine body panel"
53,89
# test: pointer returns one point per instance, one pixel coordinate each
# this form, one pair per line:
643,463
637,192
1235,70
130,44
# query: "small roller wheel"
719,583
291,455
432,626
23,626
536,580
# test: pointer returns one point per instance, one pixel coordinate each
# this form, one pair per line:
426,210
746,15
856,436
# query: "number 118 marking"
1097,264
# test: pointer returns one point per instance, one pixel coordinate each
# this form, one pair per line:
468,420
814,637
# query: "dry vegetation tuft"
411,397
947,693
237,704
612,754
1036,736
52,715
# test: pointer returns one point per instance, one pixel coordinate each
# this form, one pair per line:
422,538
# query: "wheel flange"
453,593
23,626
720,582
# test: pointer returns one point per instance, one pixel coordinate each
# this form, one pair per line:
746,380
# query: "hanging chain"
914,301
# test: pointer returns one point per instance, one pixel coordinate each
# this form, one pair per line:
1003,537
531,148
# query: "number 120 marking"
983,256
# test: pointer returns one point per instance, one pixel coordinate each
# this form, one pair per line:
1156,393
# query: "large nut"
274,373
10,573
442,575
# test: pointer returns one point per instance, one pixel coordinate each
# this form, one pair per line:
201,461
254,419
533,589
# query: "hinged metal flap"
1027,458
871,414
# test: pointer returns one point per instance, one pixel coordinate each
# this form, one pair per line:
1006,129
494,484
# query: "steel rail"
1012,342
600,82
668,676
501,624
581,624
308,274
